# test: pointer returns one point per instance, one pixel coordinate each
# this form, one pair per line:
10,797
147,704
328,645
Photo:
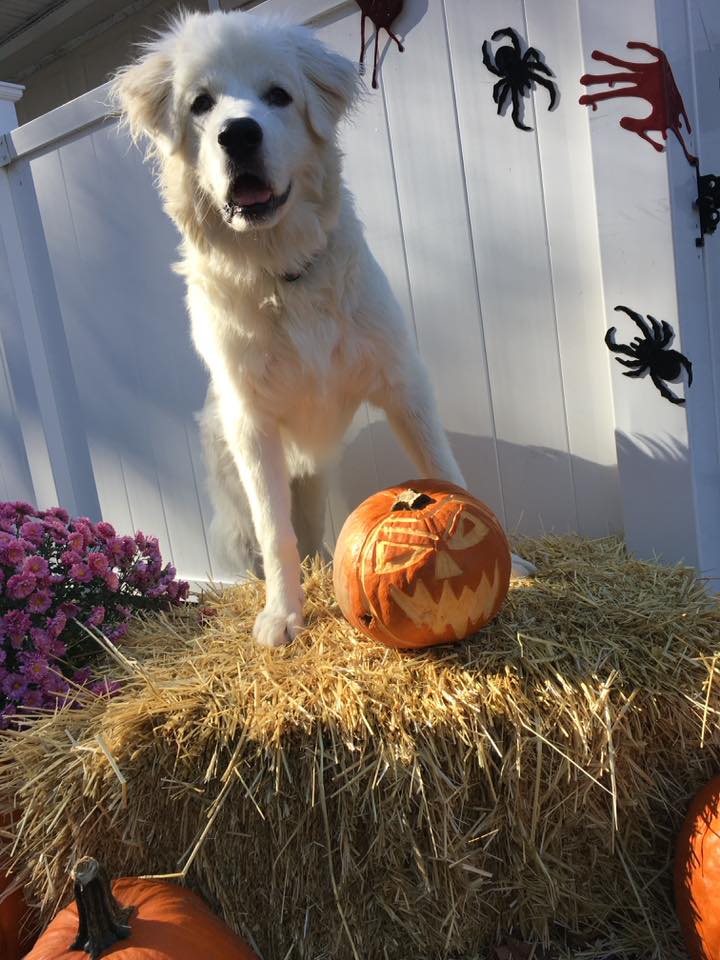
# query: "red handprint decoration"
652,81
382,13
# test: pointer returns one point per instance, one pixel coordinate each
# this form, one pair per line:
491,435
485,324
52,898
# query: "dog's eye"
277,97
201,104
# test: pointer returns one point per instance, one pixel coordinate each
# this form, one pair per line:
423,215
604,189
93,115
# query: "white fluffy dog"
292,315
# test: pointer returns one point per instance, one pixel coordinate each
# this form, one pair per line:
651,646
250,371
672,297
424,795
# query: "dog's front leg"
260,458
410,408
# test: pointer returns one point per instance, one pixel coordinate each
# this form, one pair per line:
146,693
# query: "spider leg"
631,363
657,332
511,35
542,67
668,394
688,367
549,86
500,91
638,320
516,110
487,59
617,347
633,373
668,333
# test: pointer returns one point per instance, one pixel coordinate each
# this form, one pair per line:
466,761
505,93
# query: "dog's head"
242,108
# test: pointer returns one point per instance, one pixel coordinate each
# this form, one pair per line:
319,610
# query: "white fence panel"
488,235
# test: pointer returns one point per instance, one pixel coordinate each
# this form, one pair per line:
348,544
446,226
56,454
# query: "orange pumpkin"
697,874
149,920
420,564
14,915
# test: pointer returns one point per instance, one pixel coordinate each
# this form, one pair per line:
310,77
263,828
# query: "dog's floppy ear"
333,84
143,93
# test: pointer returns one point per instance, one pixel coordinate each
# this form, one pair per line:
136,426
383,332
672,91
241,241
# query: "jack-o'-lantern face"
421,564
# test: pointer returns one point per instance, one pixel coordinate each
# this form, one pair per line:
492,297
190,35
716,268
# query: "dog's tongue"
247,194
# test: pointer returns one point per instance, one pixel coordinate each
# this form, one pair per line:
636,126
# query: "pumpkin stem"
412,500
103,921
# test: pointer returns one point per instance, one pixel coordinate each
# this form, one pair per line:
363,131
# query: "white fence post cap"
11,91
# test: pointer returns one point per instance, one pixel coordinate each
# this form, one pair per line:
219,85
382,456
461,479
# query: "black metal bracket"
708,204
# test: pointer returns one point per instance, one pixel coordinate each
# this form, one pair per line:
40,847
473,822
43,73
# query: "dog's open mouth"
252,198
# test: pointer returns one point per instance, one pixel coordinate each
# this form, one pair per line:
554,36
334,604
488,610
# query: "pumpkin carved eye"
469,531
392,557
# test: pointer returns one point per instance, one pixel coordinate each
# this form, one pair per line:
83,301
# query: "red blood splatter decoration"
654,82
382,13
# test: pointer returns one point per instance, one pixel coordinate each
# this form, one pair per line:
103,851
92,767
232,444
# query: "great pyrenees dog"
289,310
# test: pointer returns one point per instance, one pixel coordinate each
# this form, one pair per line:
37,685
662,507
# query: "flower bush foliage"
56,574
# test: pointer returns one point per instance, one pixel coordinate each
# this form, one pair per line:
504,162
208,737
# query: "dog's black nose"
241,137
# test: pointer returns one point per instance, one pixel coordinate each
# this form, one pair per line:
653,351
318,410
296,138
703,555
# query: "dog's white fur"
289,362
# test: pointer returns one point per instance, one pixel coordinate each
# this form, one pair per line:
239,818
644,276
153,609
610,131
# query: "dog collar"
298,275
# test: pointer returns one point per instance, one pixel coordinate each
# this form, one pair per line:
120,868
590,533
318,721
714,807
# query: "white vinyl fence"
508,251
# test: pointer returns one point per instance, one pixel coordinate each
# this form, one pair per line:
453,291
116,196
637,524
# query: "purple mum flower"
14,686
41,639
15,624
129,547
21,585
58,513
21,507
115,548
69,609
98,563
40,601
70,557
105,530
34,668
80,572
33,698
97,615
36,565
57,624
76,541
34,531
16,551
112,581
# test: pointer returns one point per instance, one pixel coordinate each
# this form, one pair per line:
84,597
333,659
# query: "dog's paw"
276,629
521,568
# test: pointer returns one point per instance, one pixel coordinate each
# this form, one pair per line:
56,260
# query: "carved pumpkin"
697,874
150,920
421,564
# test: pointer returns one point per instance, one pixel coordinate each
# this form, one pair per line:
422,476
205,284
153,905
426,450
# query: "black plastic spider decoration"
517,72
649,353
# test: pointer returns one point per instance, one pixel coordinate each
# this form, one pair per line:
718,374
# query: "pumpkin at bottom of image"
697,874
13,913
16,917
135,919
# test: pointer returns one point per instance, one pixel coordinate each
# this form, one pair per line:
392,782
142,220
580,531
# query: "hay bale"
337,798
